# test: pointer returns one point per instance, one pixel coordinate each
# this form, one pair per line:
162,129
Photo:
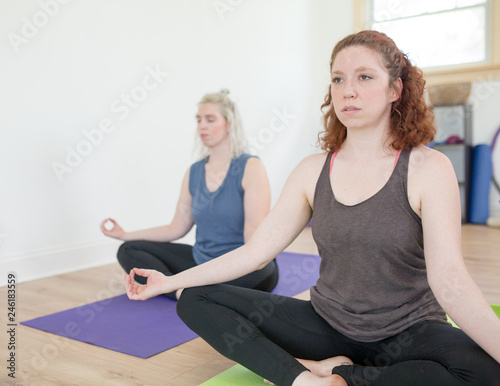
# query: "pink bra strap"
331,162
396,161
334,154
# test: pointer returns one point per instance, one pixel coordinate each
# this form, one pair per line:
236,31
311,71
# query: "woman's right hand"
155,284
116,232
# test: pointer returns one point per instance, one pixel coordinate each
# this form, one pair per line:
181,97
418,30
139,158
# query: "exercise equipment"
146,328
482,172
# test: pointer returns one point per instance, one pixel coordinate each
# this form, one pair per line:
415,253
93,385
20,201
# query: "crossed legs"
266,333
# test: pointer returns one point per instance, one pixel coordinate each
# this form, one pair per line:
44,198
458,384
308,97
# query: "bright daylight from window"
434,32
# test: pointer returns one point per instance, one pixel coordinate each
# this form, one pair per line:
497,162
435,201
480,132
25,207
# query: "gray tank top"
373,281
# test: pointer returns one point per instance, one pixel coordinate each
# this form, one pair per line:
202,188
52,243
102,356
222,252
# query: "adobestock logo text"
31,26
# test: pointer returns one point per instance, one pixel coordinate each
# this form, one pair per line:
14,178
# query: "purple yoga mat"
297,273
146,328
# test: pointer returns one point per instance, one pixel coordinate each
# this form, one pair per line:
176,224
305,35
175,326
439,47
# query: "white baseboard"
494,219
39,265
495,210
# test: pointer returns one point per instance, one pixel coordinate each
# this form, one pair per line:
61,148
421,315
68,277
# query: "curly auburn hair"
411,122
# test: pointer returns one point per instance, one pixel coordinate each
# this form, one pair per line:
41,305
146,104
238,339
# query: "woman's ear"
396,90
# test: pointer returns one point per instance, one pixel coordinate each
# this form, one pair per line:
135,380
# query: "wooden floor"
47,359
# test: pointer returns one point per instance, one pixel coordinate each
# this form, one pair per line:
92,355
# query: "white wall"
66,69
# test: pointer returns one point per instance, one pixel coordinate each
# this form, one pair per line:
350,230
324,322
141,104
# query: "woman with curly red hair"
411,121
377,314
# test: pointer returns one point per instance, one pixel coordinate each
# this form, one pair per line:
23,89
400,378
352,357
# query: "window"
453,40
455,33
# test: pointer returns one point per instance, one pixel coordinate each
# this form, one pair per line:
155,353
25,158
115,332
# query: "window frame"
490,70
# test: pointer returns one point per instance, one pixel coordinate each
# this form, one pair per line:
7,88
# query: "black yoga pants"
172,258
266,332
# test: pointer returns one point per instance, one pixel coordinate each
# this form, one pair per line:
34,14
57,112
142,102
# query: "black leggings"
266,332
171,258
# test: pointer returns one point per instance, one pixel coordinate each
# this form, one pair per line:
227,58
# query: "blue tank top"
219,215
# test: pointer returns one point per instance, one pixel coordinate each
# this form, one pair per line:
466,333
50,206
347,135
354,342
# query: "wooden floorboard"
47,359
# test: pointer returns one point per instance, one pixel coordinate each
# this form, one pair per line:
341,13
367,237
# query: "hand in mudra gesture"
115,231
154,286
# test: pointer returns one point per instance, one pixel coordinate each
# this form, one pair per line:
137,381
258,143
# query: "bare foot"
324,368
322,371
309,379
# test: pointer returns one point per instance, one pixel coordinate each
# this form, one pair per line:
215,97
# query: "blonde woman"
226,194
